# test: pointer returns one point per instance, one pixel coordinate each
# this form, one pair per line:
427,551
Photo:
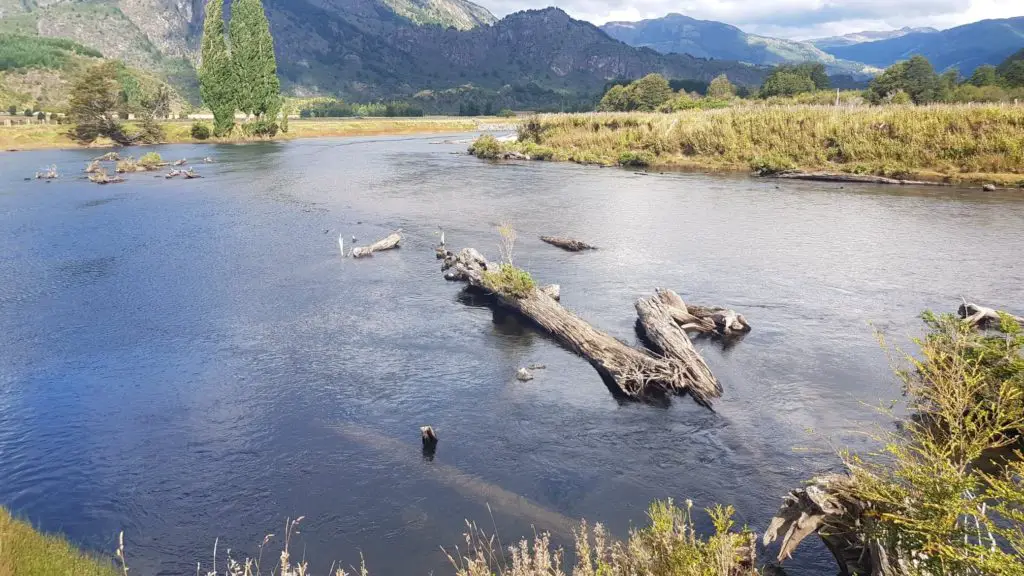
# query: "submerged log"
172,174
387,243
983,316
93,167
633,372
190,174
48,174
108,157
824,508
181,162
855,178
567,243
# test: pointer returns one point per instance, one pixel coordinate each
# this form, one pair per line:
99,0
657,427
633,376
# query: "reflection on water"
195,361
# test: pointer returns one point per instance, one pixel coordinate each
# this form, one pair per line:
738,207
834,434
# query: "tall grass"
26,552
951,141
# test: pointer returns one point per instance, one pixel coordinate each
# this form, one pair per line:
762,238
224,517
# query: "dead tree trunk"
634,372
567,243
824,507
703,319
387,243
665,336
982,316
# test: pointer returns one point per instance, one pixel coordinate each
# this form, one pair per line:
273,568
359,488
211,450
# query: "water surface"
188,360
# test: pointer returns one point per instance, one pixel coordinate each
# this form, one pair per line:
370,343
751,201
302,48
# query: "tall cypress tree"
252,53
216,77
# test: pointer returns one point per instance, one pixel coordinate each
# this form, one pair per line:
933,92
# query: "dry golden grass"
37,136
955,142
26,552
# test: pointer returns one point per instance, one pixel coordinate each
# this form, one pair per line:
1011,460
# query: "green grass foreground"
27,552
973,143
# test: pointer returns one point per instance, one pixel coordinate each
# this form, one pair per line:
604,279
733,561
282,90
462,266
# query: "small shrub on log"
150,160
510,281
200,131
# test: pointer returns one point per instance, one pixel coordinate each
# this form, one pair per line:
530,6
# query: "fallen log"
48,174
703,319
631,371
386,243
567,243
172,174
824,508
854,178
181,162
109,157
93,167
983,316
190,174
101,177
665,336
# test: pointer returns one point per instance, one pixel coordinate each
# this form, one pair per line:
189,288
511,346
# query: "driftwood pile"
387,243
674,367
48,174
568,244
100,176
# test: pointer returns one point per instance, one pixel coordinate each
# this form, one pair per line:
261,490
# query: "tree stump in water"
567,243
93,167
633,372
386,243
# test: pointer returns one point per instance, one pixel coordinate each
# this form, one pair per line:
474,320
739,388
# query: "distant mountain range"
680,34
866,36
370,49
964,47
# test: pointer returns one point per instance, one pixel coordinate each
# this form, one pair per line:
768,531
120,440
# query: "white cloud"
786,18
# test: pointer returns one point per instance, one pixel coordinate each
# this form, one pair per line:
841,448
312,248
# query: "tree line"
239,69
911,81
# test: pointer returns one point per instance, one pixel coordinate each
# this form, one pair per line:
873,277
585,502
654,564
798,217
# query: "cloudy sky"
797,19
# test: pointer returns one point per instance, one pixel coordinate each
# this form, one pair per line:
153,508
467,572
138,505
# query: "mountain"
709,39
370,49
964,47
867,36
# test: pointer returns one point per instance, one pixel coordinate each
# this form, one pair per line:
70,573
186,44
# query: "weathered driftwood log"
567,243
190,174
703,319
554,291
181,162
93,167
101,177
824,507
386,243
633,372
428,436
172,174
667,337
855,178
109,157
48,174
983,316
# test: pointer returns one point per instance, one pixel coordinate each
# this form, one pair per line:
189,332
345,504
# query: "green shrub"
200,131
631,159
262,128
506,113
509,281
487,147
771,164
538,152
150,160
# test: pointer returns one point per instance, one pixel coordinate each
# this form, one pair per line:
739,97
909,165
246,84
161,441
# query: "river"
193,360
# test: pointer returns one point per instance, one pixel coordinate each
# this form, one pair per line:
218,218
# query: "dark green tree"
615,99
786,83
1011,70
216,76
649,92
916,77
29,112
984,76
721,88
253,60
12,110
93,101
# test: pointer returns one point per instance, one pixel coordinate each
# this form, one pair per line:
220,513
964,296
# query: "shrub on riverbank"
486,147
26,552
953,141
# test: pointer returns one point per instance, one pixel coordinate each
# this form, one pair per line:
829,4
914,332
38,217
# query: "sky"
797,19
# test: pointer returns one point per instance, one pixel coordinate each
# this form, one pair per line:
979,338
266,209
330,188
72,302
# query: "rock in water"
989,187
524,375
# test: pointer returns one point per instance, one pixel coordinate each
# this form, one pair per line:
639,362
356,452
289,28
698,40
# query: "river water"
193,360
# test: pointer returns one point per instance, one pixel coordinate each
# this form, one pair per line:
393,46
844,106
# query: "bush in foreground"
486,147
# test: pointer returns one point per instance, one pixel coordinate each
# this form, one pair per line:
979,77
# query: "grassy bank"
26,552
38,136
943,142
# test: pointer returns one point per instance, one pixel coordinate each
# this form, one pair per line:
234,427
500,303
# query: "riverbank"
27,552
43,136
950,143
